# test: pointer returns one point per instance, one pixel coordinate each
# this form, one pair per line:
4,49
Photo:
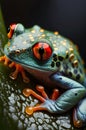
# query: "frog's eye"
19,29
11,30
15,28
42,51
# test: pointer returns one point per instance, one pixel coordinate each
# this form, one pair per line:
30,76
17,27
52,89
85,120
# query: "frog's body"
55,61
65,58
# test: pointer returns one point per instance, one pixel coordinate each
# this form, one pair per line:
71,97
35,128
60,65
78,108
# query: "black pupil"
41,51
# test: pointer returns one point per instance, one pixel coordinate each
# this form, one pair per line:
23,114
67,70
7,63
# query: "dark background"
66,16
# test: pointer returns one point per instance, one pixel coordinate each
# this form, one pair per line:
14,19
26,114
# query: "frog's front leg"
74,92
18,69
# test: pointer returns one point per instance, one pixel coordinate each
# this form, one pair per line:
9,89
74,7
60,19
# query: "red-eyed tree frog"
55,61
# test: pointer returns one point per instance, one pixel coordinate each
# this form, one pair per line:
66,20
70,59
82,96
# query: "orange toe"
5,59
55,94
18,69
42,91
76,121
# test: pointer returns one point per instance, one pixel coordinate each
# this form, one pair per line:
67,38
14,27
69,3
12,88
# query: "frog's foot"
27,92
19,69
79,114
77,123
5,59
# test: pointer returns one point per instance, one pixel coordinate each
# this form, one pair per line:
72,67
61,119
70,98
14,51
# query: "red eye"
42,51
12,28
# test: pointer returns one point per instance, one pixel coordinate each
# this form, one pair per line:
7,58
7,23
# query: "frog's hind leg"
73,94
27,92
79,114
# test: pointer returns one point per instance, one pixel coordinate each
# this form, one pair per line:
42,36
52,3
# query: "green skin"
63,68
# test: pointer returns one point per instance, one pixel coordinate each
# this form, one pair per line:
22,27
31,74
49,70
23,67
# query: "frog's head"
30,49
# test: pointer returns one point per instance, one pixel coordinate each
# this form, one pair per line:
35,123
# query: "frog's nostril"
60,78
76,94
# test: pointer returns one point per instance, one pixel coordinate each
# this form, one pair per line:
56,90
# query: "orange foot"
27,92
77,123
19,69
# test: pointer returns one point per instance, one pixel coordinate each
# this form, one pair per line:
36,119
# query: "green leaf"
3,35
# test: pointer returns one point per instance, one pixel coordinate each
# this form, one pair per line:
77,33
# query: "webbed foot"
27,92
19,69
